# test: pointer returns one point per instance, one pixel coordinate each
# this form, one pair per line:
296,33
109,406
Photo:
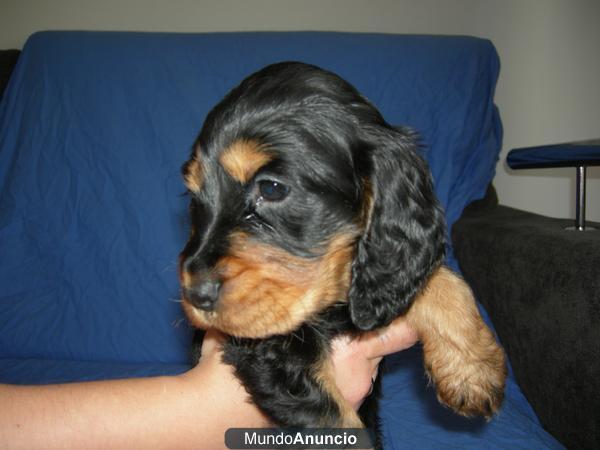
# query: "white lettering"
250,440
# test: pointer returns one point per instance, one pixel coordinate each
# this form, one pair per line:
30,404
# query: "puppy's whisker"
317,331
297,336
265,225
172,266
177,323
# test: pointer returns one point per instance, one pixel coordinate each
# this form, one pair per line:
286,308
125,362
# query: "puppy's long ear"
405,233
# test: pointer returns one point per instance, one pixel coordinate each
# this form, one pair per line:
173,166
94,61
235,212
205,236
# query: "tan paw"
461,355
469,381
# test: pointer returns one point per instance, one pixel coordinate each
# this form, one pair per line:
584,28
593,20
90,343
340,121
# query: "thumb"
397,336
212,342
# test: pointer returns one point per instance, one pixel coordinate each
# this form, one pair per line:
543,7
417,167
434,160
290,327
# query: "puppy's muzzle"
204,294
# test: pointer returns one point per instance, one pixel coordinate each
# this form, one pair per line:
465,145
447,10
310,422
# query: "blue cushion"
571,154
50,371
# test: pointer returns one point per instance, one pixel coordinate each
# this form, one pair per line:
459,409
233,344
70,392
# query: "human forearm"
192,410
188,411
87,415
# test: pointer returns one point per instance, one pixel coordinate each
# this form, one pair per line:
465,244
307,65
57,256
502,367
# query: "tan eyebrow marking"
193,173
243,159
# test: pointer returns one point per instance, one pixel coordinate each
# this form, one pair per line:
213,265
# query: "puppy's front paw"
461,354
470,379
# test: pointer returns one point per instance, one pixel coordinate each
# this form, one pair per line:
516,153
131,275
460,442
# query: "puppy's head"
303,196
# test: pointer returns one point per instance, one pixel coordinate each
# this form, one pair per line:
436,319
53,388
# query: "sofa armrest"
8,60
541,287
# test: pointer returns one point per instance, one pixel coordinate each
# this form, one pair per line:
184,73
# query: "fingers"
360,357
397,336
212,341
352,370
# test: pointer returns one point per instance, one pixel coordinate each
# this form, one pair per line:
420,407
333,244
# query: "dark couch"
93,130
541,287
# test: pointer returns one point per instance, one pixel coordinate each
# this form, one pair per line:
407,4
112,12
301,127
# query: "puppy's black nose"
204,295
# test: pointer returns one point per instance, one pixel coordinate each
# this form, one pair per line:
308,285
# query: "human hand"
356,361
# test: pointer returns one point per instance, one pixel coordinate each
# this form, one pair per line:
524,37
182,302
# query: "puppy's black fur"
335,166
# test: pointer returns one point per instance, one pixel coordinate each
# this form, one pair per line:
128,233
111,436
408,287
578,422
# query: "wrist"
214,386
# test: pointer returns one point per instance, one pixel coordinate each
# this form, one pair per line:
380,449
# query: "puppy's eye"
272,191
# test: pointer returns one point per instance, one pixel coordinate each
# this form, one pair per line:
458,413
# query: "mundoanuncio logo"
283,438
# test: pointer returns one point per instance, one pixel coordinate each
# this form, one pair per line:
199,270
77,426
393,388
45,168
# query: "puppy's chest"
299,350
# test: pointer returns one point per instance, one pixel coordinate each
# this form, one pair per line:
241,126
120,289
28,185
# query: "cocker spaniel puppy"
310,217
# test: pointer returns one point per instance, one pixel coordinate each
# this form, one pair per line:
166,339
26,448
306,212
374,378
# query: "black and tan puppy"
311,217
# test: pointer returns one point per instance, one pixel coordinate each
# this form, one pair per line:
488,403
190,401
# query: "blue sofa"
94,127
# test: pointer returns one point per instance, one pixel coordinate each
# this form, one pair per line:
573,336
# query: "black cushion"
8,59
541,287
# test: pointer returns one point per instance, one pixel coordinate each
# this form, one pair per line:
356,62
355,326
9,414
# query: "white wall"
549,88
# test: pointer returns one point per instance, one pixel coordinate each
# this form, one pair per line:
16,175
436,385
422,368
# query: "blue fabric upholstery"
93,130
571,154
